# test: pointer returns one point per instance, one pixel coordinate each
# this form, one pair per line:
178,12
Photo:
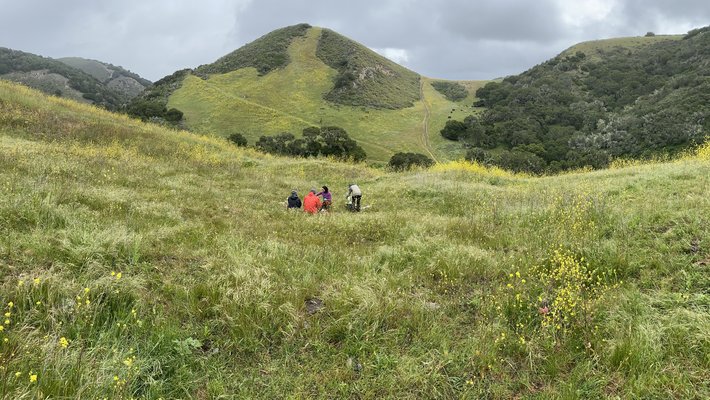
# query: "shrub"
329,141
453,91
478,155
238,139
405,161
173,115
454,130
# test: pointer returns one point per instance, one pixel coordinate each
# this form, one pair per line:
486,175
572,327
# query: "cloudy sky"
454,39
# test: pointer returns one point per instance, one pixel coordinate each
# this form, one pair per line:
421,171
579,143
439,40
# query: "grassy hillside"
293,97
265,54
595,49
119,79
365,78
596,102
139,262
69,80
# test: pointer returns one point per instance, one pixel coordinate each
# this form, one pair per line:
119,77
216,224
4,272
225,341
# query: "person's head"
294,192
314,191
325,189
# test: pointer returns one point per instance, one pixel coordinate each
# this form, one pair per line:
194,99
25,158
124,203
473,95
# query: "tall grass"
138,262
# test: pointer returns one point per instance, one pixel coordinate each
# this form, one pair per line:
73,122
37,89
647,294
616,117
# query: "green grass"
595,48
292,98
215,274
265,54
365,78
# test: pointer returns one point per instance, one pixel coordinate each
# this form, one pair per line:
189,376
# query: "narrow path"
234,97
427,115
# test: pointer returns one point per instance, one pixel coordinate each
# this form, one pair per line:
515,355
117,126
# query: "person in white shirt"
355,195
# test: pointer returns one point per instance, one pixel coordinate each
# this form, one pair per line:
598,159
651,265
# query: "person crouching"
311,203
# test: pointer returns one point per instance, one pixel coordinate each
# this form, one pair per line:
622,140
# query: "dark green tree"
238,139
406,161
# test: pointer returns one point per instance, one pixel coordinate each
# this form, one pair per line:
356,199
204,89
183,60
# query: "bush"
405,161
173,115
454,130
329,141
453,91
238,139
478,155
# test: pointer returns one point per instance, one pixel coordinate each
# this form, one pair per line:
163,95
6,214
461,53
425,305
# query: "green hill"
73,78
296,77
597,101
364,77
142,262
116,78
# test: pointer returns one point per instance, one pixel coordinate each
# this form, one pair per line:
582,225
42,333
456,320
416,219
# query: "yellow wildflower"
63,342
33,377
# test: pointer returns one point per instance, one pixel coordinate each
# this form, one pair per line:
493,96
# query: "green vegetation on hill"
453,91
265,54
102,71
142,262
291,99
364,77
152,104
42,73
636,98
328,141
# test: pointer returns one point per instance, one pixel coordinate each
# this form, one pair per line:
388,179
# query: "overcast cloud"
453,39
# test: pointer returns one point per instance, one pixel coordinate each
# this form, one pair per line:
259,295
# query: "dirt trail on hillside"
427,115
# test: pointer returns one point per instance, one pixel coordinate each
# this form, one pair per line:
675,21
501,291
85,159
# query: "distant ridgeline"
84,80
597,101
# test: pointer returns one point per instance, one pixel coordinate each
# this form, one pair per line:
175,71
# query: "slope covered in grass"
127,83
66,79
365,78
139,262
265,54
292,98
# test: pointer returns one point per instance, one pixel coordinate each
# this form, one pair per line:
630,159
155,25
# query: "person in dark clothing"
293,200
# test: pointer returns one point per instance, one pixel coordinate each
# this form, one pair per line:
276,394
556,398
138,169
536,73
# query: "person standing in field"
355,195
327,198
311,203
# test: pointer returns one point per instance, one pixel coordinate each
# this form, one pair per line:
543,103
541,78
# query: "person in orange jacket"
311,203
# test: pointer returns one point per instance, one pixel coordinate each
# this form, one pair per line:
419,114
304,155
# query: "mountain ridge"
63,78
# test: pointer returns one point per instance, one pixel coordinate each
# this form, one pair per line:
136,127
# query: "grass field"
291,98
140,262
593,48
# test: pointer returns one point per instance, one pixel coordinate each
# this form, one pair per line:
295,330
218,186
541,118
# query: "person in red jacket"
311,203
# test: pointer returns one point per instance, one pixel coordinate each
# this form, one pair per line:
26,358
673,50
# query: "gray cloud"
455,39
